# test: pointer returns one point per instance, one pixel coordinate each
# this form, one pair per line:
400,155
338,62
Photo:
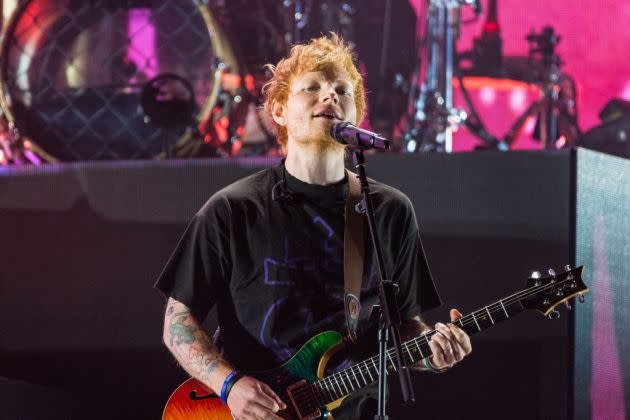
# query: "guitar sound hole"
193,396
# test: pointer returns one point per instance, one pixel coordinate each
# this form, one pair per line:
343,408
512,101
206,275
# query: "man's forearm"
191,346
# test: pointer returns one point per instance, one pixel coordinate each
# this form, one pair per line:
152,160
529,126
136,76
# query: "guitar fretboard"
364,373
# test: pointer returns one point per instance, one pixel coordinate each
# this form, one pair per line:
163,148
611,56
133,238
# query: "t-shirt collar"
324,194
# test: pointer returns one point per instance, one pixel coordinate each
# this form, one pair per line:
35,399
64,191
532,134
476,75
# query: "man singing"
268,250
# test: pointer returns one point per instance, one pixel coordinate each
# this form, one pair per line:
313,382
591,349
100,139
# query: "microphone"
347,133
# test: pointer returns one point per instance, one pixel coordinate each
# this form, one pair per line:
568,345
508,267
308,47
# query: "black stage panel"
83,244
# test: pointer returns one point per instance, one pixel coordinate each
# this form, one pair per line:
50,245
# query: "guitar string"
492,308
418,340
321,386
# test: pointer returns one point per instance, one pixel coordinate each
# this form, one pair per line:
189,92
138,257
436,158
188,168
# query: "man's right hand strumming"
252,399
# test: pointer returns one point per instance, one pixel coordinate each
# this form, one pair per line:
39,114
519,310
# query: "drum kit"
85,80
435,118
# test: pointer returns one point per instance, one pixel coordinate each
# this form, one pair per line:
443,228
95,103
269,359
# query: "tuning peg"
568,267
567,304
551,272
535,275
554,314
581,298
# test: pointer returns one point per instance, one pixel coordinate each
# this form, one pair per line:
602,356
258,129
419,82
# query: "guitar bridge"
303,400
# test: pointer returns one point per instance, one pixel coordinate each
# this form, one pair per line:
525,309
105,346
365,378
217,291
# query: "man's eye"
311,88
343,92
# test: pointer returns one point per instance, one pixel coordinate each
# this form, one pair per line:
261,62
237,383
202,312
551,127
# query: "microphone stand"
390,314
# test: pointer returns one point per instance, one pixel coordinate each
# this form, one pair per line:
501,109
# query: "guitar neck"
357,376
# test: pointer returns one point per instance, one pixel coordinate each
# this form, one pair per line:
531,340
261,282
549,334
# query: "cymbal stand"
435,118
556,111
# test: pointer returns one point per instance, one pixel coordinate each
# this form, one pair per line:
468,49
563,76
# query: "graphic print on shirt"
310,263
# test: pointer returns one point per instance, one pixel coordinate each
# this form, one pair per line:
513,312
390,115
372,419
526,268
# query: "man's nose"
330,94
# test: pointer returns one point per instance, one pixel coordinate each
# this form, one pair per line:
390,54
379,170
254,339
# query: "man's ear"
277,112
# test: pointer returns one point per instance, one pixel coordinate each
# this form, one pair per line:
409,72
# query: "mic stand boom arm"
390,314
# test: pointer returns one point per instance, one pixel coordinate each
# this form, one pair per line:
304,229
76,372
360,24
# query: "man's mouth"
326,115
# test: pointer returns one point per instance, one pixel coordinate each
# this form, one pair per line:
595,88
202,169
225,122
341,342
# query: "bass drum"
78,76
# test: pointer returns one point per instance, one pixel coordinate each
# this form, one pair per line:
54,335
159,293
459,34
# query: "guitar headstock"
545,293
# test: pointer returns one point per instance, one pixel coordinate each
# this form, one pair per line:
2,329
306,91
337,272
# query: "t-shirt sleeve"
200,266
417,293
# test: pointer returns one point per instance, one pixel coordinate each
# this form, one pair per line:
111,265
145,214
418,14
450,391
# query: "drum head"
74,73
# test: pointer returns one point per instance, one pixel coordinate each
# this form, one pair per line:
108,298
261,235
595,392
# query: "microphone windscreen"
336,131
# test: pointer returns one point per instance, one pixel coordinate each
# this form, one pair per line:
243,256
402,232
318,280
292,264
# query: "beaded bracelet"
230,380
428,366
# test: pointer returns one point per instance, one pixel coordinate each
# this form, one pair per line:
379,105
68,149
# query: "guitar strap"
353,255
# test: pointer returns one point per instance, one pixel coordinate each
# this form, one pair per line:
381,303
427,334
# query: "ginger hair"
324,53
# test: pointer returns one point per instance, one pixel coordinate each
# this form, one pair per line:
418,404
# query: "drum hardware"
487,53
76,92
556,109
243,35
486,59
223,129
220,133
168,99
475,124
556,124
434,119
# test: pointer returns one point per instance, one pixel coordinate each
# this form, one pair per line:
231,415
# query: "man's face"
316,101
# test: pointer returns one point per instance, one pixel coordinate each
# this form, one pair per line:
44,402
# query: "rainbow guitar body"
309,394
183,403
193,400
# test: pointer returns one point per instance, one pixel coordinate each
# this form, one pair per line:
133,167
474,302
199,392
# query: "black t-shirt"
274,268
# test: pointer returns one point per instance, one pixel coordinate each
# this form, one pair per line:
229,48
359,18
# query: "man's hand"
450,345
251,399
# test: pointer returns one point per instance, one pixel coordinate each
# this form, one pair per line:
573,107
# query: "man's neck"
318,167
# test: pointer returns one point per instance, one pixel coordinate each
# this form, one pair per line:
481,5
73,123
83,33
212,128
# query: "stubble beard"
322,143
327,144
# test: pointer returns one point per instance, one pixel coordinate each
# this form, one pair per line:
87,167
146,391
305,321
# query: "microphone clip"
282,194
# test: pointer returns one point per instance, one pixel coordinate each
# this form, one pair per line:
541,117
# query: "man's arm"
191,346
449,346
197,354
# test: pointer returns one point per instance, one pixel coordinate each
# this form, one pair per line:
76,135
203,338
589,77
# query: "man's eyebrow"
307,80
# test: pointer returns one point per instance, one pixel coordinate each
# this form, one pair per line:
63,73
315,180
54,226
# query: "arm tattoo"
213,364
181,333
189,343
